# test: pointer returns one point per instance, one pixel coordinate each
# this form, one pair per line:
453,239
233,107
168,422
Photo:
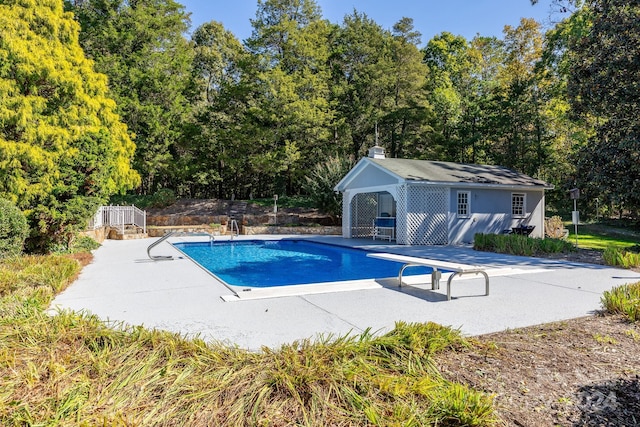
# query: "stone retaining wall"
271,229
99,234
251,220
157,231
185,220
159,225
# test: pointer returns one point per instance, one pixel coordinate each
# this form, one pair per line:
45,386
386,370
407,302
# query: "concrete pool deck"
123,285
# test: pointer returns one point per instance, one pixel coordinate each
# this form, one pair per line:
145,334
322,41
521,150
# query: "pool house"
420,202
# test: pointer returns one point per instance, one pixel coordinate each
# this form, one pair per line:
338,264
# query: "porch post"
347,196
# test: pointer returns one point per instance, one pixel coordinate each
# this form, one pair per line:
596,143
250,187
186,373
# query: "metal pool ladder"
174,233
233,228
156,243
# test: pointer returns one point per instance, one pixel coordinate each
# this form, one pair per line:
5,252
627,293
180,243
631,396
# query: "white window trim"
468,214
524,205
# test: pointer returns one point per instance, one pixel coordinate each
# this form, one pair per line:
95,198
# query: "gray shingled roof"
448,172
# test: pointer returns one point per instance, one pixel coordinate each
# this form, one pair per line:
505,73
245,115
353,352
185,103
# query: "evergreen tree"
568,133
406,118
63,148
451,67
214,161
362,80
521,141
140,46
290,42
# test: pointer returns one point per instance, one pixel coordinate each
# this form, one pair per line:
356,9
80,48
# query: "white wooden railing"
119,216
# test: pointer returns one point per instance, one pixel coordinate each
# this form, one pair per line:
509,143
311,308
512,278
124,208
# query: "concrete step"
129,236
130,233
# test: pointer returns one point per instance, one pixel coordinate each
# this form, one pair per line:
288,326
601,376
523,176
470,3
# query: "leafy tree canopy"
291,42
140,46
604,83
63,149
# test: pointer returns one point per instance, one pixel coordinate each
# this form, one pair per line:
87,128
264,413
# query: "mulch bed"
589,256
580,372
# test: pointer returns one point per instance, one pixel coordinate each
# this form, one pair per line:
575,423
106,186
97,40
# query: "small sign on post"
575,217
574,193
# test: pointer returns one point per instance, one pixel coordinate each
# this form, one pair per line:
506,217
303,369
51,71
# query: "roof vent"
376,152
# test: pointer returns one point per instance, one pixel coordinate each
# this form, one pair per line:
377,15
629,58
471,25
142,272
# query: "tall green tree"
486,60
63,148
568,133
453,67
290,41
406,121
604,83
521,137
140,46
362,79
214,160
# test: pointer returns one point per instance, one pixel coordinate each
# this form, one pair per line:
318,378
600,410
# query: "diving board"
456,269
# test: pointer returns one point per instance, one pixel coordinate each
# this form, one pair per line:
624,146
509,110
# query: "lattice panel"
427,216
345,212
364,209
401,215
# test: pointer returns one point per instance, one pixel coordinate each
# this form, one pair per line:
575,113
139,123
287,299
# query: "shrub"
321,181
79,243
160,199
552,246
515,244
622,258
57,225
51,273
623,300
554,228
13,229
163,198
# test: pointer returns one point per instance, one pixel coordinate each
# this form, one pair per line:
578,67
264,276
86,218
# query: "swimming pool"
272,263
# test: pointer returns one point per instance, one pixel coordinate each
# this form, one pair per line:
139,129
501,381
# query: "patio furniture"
384,228
523,230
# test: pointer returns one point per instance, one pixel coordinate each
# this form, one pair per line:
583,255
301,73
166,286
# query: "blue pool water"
264,263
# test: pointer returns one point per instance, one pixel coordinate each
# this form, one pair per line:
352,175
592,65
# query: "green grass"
619,245
601,237
72,369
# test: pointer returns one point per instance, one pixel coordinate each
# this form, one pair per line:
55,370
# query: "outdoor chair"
523,230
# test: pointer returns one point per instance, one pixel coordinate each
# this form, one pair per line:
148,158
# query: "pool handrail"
156,243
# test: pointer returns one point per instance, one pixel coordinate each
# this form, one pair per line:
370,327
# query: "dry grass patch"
72,369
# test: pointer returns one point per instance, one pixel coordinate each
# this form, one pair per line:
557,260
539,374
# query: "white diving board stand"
457,269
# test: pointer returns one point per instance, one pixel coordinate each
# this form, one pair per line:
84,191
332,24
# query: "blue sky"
431,17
